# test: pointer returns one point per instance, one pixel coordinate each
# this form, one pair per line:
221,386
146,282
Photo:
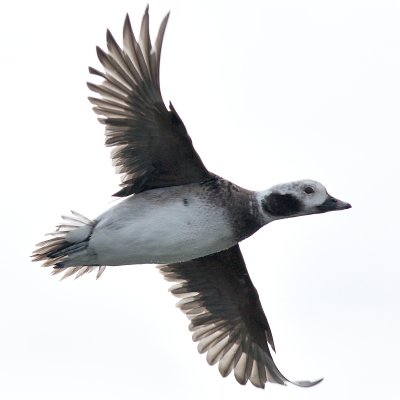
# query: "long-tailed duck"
179,214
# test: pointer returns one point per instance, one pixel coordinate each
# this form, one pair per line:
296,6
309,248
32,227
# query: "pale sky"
270,91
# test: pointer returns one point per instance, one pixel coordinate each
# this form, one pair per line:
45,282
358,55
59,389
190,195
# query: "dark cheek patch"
281,205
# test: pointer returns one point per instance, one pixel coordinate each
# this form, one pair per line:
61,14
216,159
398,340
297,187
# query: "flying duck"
179,215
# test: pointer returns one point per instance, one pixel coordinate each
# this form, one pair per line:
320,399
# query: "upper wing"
152,148
226,316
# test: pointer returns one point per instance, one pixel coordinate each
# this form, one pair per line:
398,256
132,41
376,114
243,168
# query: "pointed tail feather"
67,246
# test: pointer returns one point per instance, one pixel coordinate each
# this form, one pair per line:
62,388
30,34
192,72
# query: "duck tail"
66,249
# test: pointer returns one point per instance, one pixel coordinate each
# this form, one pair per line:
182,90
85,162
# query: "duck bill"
332,204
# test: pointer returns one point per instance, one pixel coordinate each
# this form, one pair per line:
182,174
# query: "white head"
297,198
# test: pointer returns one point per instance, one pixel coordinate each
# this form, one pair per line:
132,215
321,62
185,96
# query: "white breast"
160,226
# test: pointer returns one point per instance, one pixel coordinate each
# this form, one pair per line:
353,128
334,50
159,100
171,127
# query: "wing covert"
151,147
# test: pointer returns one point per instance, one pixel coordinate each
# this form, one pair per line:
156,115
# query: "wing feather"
227,319
153,148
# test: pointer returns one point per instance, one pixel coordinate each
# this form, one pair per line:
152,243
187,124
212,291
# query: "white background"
270,91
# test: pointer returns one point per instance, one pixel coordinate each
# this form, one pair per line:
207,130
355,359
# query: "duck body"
167,225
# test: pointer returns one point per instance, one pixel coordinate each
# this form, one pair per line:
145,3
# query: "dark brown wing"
152,148
226,316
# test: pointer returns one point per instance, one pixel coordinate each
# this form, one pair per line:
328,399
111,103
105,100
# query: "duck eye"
309,190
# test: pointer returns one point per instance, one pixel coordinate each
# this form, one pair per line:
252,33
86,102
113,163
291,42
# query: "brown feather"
156,149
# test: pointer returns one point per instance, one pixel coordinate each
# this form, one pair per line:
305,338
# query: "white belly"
159,226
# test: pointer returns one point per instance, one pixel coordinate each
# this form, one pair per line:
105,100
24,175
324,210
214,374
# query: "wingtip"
127,19
272,344
307,383
100,52
109,36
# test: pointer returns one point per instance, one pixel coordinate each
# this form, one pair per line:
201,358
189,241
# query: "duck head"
298,198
